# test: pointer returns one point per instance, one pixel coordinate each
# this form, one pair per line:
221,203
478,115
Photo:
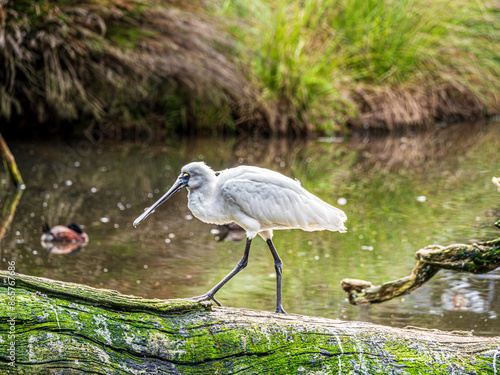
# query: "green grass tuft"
285,67
336,59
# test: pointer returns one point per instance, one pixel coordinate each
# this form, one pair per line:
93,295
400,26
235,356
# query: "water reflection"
463,294
63,247
419,149
9,206
380,180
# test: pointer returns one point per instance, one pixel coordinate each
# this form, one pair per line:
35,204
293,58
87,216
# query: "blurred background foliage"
150,68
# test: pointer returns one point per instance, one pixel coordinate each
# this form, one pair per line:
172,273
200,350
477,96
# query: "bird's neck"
201,195
202,203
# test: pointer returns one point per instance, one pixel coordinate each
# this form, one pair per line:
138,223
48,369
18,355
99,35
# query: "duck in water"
60,233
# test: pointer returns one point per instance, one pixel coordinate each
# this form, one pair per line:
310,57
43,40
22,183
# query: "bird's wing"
279,202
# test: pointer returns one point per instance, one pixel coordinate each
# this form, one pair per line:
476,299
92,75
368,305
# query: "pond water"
400,193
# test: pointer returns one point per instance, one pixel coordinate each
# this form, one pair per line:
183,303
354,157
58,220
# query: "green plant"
324,62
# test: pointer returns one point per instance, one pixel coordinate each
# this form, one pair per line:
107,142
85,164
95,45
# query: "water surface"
401,193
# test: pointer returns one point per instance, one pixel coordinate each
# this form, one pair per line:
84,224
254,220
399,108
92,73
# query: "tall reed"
373,62
85,61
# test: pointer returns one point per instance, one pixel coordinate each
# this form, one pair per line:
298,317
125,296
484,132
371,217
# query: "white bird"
257,199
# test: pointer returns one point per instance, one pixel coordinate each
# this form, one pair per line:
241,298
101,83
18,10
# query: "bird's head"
193,175
74,226
196,174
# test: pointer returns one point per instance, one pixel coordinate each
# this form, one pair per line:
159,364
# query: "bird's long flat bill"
179,184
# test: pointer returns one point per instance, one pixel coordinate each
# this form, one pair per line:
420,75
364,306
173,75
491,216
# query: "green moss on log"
68,328
104,297
475,258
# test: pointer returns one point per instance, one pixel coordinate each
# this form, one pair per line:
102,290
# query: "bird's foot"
206,297
280,310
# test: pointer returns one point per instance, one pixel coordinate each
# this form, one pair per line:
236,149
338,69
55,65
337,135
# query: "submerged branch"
476,258
10,163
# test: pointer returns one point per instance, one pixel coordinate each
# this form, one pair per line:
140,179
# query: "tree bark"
65,328
479,257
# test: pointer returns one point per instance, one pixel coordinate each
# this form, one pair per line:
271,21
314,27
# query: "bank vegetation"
136,67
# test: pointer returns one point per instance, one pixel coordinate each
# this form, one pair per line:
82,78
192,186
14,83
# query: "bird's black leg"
279,268
241,264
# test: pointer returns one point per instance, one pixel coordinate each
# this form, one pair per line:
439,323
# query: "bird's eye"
185,175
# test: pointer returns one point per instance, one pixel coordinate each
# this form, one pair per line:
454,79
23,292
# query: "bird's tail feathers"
45,227
336,220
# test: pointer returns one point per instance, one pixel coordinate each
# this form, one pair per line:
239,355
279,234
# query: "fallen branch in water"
69,328
10,164
476,258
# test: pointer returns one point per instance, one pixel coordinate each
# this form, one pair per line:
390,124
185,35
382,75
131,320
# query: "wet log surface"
65,328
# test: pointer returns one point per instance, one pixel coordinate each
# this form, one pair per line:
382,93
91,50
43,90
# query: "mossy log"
479,257
65,328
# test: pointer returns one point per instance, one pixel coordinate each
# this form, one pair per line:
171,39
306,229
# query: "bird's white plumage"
258,199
